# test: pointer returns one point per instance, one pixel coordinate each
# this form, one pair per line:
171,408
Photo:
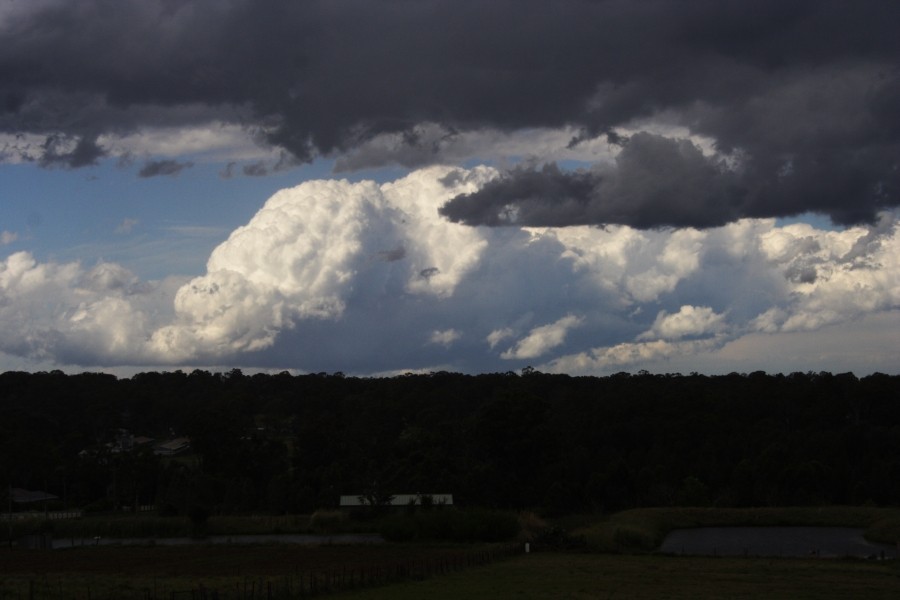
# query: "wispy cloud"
197,230
126,226
157,168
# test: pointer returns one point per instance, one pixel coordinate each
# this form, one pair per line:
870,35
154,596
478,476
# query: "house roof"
22,496
398,499
172,446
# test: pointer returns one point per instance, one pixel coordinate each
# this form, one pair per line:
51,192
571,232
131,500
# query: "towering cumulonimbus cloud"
367,277
798,98
311,248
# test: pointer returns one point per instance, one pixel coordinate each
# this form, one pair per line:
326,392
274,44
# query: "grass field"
246,571
603,576
100,572
620,564
634,530
149,525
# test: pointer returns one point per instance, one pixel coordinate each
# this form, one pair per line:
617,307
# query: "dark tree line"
283,443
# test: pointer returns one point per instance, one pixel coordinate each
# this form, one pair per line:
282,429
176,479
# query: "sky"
386,186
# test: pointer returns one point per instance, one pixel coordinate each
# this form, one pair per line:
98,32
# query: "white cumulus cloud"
688,321
367,277
543,339
498,335
312,248
444,338
73,315
628,355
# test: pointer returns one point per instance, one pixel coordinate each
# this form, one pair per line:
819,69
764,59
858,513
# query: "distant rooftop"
21,496
399,500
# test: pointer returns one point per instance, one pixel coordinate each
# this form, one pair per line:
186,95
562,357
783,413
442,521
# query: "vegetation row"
554,444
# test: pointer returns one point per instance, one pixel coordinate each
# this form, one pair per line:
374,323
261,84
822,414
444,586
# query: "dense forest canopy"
555,443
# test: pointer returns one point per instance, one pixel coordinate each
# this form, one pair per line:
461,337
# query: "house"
20,496
172,447
398,500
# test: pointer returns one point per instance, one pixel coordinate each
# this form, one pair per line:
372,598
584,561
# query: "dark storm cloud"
257,169
801,94
663,182
656,181
155,168
65,151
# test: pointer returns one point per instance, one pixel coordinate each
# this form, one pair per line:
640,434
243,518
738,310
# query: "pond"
775,541
277,538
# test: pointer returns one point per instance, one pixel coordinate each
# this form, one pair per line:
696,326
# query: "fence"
52,515
300,584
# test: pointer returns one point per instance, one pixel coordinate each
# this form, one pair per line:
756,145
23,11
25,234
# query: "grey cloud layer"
658,181
800,96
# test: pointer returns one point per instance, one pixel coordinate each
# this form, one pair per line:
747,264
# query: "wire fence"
299,584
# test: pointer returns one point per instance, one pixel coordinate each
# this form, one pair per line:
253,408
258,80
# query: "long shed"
398,500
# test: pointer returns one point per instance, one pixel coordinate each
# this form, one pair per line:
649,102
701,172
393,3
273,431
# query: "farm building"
20,496
398,500
172,447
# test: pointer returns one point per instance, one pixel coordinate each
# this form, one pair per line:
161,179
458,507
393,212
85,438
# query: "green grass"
637,530
152,526
450,525
588,576
621,566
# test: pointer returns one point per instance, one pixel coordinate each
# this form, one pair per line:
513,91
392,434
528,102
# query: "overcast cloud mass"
635,156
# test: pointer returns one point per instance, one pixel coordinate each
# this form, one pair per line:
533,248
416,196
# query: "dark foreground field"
587,576
232,571
273,571
615,558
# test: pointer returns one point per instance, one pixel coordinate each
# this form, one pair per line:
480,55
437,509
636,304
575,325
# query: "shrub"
557,538
399,529
451,525
530,525
99,506
491,526
628,539
199,515
327,521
